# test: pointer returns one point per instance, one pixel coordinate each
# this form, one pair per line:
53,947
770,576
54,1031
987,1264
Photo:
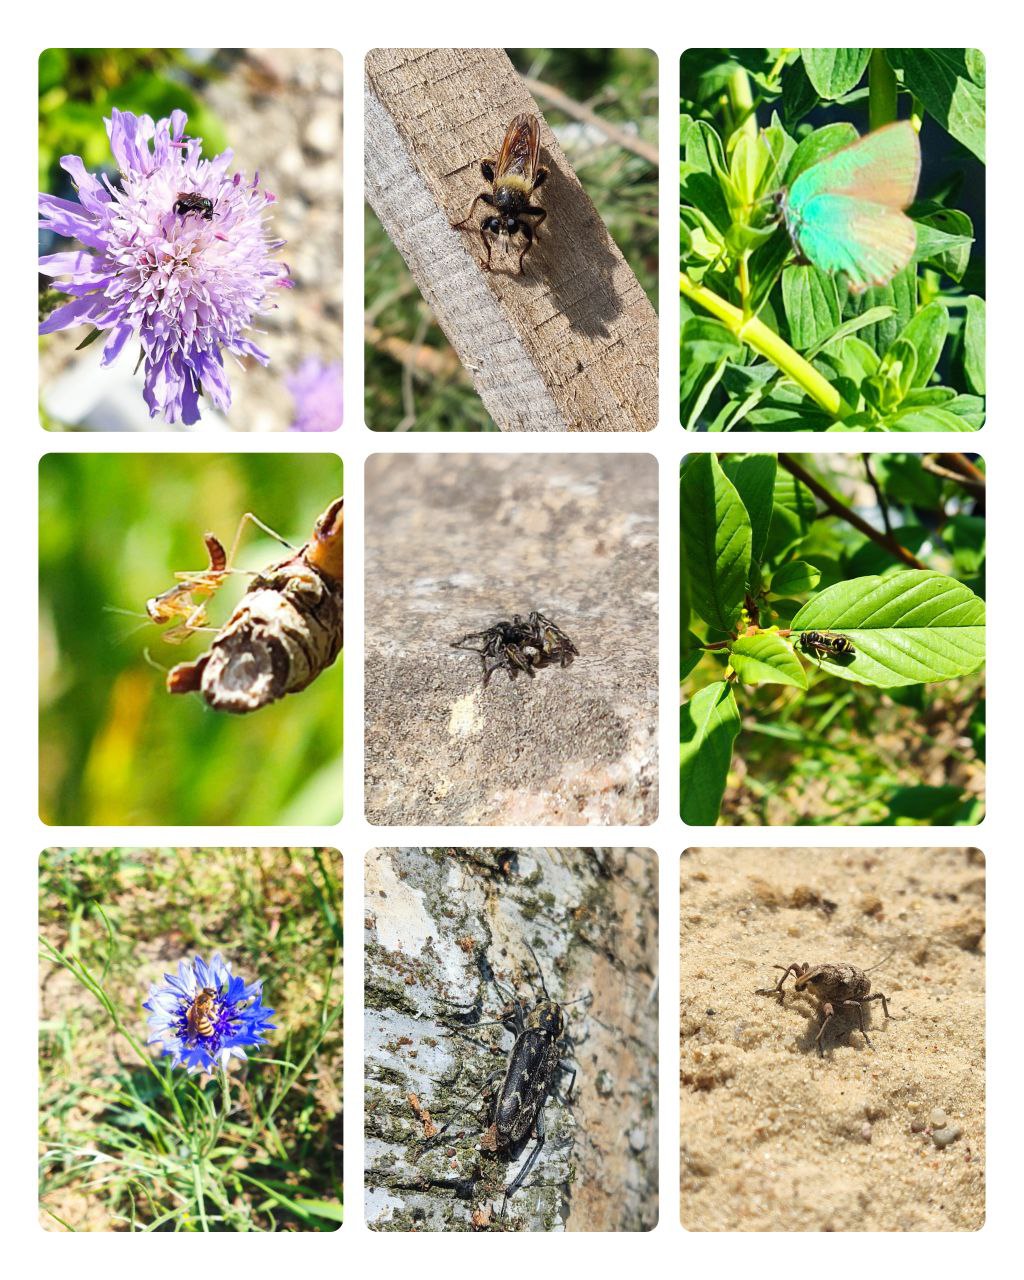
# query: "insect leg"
530,1161
489,1083
796,969
826,1017
524,227
859,1004
476,200
253,519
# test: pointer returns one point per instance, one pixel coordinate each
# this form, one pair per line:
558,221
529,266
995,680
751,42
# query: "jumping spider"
834,987
520,646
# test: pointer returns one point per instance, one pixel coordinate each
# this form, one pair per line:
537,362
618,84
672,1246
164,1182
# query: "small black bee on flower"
193,202
826,644
520,646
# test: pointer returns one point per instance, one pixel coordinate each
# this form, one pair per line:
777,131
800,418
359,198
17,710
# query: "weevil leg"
859,1006
796,969
572,1081
827,1013
531,1160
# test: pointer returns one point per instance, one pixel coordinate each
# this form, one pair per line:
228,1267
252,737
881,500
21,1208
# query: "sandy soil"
776,1138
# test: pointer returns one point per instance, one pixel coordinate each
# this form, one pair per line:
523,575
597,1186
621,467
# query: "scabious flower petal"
189,287
238,1017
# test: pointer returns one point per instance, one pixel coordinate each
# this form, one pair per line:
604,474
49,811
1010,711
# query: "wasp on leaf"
514,177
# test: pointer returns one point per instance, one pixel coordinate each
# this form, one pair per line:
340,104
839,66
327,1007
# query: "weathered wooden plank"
572,345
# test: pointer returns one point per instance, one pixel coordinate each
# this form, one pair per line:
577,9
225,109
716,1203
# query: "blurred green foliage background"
115,747
78,87
414,381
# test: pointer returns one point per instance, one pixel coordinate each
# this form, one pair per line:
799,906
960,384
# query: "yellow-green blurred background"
115,747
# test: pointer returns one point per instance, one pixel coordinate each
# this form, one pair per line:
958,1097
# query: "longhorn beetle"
527,1078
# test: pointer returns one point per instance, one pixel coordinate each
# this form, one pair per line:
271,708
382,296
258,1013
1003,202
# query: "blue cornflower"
234,1013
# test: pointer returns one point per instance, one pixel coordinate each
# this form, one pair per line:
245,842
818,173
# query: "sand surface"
776,1138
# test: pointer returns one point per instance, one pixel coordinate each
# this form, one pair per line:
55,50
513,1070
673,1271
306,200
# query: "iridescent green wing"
869,243
883,167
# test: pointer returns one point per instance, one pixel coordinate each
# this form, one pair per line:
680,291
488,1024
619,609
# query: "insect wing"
881,168
845,213
869,243
520,149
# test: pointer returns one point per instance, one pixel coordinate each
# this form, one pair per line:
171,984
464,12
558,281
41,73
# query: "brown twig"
613,132
841,510
957,467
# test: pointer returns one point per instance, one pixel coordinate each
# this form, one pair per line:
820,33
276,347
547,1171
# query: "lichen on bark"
441,926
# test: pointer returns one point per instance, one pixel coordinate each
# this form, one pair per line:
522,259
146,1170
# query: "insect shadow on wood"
518,1090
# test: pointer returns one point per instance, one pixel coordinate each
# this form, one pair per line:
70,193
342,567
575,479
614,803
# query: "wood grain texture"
572,345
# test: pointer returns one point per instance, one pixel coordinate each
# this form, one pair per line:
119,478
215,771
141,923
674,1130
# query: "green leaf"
911,627
945,238
811,300
850,327
974,344
965,536
708,725
927,333
798,95
716,539
951,88
766,659
834,72
793,578
754,478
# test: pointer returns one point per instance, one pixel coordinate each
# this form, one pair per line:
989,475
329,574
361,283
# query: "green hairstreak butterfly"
845,213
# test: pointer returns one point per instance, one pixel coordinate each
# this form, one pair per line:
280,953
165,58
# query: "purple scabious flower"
236,1015
317,391
186,277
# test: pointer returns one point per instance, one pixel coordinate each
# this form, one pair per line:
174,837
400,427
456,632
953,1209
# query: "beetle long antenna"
540,973
878,964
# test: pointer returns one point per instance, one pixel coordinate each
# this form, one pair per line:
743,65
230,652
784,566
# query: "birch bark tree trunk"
441,925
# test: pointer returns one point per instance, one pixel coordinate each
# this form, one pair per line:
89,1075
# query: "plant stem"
742,100
881,90
761,339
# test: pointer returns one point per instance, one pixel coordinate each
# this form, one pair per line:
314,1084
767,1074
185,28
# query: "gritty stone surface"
455,543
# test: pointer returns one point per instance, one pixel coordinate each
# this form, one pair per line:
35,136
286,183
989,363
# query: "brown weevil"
834,987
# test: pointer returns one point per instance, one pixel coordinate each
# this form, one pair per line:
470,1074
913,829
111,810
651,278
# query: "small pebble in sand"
918,1125
937,1118
865,1131
637,1140
943,1137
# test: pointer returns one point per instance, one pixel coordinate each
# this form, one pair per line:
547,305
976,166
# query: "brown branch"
613,132
841,510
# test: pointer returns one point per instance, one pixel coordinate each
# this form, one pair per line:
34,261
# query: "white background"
353,29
